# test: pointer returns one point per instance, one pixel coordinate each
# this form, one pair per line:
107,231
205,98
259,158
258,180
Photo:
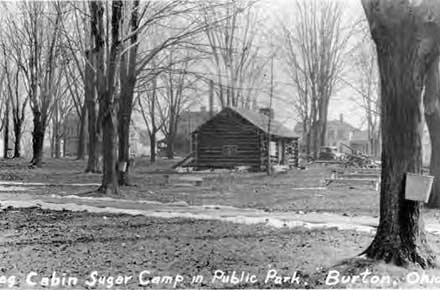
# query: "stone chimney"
341,118
268,112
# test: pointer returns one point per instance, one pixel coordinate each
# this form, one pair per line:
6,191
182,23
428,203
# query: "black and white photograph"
223,144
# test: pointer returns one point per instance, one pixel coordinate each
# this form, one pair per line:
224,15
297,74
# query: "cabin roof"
261,121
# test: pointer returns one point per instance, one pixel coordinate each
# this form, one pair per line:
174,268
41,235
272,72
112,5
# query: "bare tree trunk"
308,143
18,119
323,132
400,237
56,132
171,136
128,82
433,122
107,103
81,150
57,145
124,142
323,112
109,154
52,143
431,102
37,140
64,141
17,141
90,104
170,147
153,147
6,133
315,133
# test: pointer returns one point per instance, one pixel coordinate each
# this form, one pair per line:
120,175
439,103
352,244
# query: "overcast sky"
274,11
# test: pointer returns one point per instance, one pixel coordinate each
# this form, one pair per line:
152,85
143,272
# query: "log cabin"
237,137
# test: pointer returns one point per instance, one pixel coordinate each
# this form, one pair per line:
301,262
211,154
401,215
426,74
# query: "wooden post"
269,165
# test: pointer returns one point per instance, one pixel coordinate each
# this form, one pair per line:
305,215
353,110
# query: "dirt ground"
169,253
297,190
79,243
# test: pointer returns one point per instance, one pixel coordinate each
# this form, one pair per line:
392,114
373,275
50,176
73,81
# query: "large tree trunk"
81,150
128,82
52,144
124,139
431,102
170,146
106,92
90,103
323,112
56,142
56,138
433,122
109,154
402,59
37,140
152,147
57,146
17,141
306,135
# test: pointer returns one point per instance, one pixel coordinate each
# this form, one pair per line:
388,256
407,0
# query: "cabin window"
230,150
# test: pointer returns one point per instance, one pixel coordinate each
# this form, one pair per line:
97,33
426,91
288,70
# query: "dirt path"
181,209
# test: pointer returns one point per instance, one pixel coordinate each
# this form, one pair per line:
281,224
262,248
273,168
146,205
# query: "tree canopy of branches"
365,82
314,44
16,97
40,34
178,88
233,51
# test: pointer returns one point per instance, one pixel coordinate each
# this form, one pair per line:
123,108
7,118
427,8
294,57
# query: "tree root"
34,165
88,170
108,190
403,255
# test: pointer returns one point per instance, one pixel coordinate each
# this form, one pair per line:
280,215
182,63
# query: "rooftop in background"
359,135
261,121
330,124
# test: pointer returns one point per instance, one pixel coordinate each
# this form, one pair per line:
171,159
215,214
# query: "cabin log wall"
228,140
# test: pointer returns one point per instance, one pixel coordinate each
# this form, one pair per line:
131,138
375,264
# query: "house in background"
338,132
238,137
188,122
359,141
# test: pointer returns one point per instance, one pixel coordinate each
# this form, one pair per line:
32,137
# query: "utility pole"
269,163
